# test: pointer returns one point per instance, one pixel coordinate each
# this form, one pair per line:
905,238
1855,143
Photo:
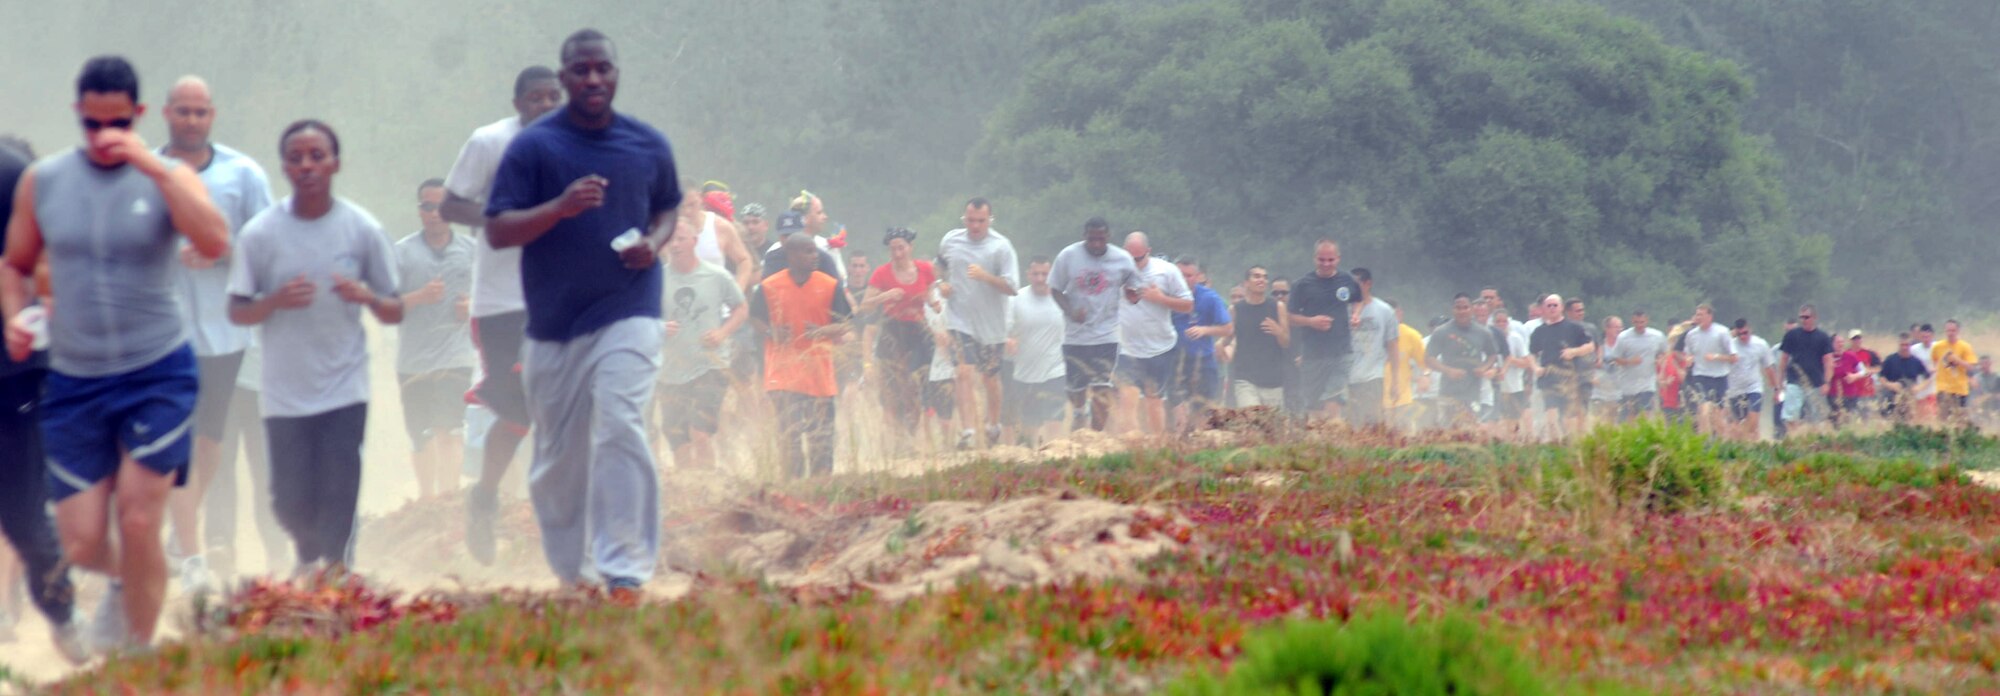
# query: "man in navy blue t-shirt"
589,195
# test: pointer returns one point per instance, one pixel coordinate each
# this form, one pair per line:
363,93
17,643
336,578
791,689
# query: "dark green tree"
1537,146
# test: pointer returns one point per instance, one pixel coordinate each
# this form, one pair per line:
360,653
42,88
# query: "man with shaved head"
240,190
1148,357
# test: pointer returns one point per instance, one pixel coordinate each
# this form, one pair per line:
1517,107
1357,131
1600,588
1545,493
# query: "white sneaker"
196,578
69,641
109,630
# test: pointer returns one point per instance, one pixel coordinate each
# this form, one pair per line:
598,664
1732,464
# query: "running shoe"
69,641
196,578
109,631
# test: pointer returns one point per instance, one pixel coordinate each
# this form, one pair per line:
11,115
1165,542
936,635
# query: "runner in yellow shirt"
1410,349
1953,358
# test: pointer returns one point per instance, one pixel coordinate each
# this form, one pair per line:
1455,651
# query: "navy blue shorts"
1707,390
1744,406
90,424
1153,376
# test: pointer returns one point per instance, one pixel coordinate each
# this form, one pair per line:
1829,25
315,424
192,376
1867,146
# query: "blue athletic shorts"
90,423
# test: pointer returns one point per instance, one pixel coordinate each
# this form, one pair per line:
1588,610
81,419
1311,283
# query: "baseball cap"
1851,335
791,221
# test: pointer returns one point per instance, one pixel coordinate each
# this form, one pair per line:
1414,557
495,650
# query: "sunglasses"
1803,317
91,124
428,207
1281,293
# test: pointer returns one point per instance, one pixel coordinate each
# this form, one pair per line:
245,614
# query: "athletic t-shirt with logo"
112,252
1097,285
700,300
1331,296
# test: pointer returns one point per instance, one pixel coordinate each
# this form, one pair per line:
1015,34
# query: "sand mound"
1026,541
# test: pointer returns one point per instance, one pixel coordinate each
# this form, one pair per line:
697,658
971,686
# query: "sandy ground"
964,538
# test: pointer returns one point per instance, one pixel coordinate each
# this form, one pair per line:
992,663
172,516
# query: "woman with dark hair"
898,289
302,271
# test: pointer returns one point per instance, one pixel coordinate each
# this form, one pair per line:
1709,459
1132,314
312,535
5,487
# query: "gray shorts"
1320,380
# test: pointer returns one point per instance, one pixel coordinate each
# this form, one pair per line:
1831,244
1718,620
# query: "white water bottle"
36,321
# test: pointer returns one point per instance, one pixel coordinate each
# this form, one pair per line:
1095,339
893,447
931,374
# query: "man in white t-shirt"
1926,395
499,313
1754,372
1147,359
980,274
1637,353
1714,354
1375,337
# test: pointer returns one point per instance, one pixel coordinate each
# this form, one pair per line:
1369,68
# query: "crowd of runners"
163,309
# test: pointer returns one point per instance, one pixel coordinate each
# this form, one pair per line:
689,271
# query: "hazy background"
1754,154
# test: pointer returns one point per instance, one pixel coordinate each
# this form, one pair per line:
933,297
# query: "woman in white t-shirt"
301,271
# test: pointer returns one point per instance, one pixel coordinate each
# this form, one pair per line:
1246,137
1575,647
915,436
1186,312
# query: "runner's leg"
622,363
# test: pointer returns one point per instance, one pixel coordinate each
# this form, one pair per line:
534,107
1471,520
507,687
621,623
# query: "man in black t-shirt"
1556,346
1463,354
24,493
1805,356
1323,311
1901,374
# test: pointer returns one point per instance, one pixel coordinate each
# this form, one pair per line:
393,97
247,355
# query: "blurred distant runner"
805,312
1034,339
703,308
1263,331
499,314
303,271
717,239
1375,345
1954,359
434,354
1557,346
1089,280
1325,305
590,196
903,349
24,481
1709,347
1463,354
1755,369
1637,353
1198,380
1804,355
118,405
240,190
982,275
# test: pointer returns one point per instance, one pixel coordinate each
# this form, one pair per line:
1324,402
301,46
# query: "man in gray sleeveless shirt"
240,190
119,401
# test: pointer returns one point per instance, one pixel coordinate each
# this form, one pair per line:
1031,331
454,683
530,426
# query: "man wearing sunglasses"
1804,356
120,397
240,190
434,343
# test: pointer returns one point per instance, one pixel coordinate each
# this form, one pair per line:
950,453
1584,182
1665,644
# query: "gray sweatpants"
592,475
